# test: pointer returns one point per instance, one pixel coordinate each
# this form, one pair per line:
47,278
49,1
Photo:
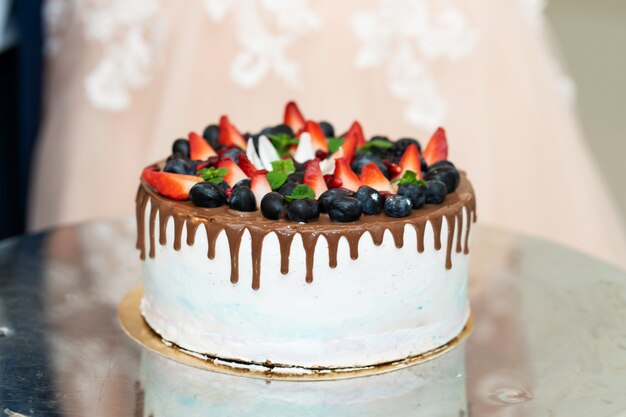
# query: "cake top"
301,168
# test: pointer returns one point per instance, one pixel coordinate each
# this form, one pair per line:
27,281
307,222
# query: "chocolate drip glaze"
188,217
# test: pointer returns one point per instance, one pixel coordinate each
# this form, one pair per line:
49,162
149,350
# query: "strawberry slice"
437,148
174,186
372,176
246,166
199,149
344,173
348,149
318,140
313,177
229,135
410,161
293,117
357,130
260,186
235,174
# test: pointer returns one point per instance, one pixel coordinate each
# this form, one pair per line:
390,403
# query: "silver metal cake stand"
549,334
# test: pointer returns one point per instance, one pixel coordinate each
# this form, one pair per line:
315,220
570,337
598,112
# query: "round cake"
296,249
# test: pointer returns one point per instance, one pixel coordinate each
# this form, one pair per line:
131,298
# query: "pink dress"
125,78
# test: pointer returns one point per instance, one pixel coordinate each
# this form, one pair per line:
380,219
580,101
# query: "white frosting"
435,388
388,304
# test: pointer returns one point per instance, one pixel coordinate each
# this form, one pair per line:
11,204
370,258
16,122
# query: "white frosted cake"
296,249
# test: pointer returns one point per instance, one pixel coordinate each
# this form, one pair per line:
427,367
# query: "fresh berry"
180,166
199,149
287,187
344,174
281,129
394,170
229,135
370,199
242,199
400,146
447,174
321,155
313,177
328,129
437,147
357,131
348,148
318,140
212,135
235,174
246,166
435,192
345,209
410,161
415,193
273,205
224,185
174,186
381,151
233,153
297,177
181,147
303,210
326,199
244,182
363,158
332,182
372,176
259,185
442,163
398,206
207,194
293,118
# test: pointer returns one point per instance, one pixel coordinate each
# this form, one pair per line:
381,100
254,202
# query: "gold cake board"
136,327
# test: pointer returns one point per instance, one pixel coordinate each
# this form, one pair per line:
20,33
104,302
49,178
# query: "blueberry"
224,185
398,206
287,187
180,166
181,146
381,138
370,199
442,163
282,129
328,129
273,205
245,182
233,153
212,134
325,200
435,192
415,193
207,194
345,209
297,177
299,167
423,164
446,174
242,199
303,210
363,158
400,146
267,131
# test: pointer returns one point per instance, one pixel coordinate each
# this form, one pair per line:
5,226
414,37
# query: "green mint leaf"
409,177
334,144
301,192
216,176
284,165
276,179
376,144
282,142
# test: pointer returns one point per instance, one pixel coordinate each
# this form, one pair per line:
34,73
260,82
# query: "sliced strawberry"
246,166
372,176
199,149
229,135
313,177
235,174
293,117
174,186
437,148
260,186
344,173
410,161
349,146
318,140
357,130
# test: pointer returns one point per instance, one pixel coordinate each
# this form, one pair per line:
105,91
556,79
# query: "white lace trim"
264,41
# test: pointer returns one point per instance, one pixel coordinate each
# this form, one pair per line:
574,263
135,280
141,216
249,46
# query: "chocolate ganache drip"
234,223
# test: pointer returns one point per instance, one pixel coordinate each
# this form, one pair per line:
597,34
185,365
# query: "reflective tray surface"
549,340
